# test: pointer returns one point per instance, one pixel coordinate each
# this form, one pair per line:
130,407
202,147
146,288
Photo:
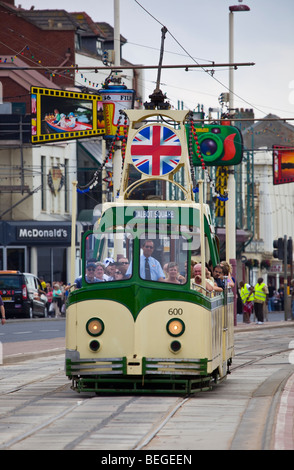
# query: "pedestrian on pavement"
260,293
57,299
43,284
281,294
271,292
292,297
2,310
247,297
265,310
50,306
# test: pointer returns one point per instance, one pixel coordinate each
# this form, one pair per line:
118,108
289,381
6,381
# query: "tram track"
42,412
265,399
23,386
261,410
40,427
254,361
263,403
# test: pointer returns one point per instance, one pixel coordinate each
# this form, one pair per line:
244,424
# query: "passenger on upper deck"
100,272
110,268
197,283
227,271
217,274
118,275
150,268
173,275
122,264
90,274
211,280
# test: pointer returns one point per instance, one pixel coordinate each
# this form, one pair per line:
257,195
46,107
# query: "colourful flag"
156,150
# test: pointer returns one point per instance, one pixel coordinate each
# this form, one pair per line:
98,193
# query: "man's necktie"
147,269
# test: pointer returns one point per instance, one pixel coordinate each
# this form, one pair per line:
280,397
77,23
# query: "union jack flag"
156,150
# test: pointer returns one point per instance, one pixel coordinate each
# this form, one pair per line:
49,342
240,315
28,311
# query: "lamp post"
234,8
231,203
117,158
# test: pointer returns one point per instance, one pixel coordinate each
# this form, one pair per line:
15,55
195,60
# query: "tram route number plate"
175,311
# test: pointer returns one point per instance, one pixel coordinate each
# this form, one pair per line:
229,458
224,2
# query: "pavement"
25,350
272,320
284,426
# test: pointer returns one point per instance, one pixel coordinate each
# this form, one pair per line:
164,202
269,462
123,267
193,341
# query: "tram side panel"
71,328
228,341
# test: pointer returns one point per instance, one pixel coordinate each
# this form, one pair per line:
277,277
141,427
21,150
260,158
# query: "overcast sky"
200,30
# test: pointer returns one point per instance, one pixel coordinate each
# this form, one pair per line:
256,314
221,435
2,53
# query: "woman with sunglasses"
122,265
118,275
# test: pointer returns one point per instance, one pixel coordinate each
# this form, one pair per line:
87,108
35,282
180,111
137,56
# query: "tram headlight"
175,327
95,327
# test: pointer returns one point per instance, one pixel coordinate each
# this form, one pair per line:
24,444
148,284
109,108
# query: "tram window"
163,259
107,257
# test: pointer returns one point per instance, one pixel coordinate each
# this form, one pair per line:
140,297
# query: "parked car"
22,295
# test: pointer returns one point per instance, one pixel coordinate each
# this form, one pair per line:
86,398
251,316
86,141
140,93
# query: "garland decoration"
124,139
94,181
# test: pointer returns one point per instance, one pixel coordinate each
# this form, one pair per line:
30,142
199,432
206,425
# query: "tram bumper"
137,375
129,366
134,366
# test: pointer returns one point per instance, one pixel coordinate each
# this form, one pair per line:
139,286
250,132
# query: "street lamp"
233,9
231,203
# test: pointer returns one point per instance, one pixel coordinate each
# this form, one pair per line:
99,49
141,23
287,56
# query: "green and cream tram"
147,326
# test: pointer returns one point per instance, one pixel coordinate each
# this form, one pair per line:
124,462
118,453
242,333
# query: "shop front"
42,248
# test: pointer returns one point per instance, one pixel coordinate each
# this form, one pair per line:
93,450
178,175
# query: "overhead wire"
196,62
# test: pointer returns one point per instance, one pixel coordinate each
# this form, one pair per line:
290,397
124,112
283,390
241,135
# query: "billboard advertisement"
283,164
64,115
218,145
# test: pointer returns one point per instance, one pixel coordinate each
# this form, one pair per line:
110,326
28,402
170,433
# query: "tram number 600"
175,311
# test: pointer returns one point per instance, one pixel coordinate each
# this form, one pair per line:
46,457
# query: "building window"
77,42
52,264
16,259
99,47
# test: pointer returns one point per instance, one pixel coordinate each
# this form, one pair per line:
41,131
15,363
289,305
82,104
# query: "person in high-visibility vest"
292,297
260,293
247,297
